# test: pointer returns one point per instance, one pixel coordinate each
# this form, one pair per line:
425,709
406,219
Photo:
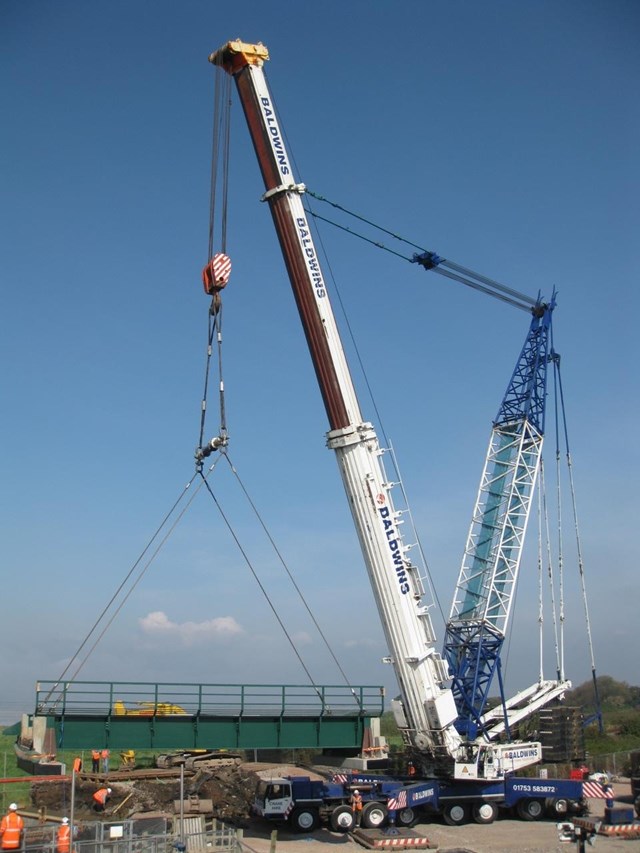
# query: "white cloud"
158,624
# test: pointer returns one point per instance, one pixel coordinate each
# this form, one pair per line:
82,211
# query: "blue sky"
502,135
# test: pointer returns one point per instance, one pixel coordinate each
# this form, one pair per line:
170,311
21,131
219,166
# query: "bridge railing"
127,698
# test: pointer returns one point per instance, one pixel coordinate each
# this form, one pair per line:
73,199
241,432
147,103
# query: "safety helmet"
65,820
108,790
356,791
13,807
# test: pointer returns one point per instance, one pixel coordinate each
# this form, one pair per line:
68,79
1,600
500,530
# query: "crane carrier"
466,753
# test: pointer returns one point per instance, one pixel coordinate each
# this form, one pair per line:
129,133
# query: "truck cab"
273,799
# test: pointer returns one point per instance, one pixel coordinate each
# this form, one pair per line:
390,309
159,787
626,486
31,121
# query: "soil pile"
230,789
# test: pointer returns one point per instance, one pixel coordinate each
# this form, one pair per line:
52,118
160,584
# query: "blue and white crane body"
486,585
428,710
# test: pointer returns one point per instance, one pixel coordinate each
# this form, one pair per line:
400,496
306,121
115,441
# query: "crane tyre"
374,815
530,809
304,820
455,814
484,812
406,817
342,819
556,807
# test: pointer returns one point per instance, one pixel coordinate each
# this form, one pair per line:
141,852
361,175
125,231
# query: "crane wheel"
484,812
374,815
455,814
342,819
304,819
406,817
530,809
556,808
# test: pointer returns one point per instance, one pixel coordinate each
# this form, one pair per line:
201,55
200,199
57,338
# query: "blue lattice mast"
486,584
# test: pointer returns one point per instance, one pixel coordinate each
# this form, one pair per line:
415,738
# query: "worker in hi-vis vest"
63,837
100,799
356,806
11,829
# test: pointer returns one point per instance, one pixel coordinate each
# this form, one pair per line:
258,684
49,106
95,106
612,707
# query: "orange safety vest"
356,802
77,765
95,754
101,796
64,839
105,753
10,831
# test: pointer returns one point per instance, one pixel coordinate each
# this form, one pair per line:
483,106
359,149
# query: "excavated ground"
230,789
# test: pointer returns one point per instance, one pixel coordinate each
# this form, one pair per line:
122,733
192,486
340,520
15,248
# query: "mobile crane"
428,712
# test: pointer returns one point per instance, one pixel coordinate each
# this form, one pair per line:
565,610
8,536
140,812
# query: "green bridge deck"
134,715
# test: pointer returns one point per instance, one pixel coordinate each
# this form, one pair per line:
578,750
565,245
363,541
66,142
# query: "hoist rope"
120,588
430,260
220,139
220,146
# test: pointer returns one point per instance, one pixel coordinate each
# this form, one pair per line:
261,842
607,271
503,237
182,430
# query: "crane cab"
478,761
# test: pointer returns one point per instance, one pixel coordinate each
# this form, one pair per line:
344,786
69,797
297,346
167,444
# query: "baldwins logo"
531,752
276,137
393,541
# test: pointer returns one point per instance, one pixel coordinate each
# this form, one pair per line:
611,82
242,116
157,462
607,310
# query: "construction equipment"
147,709
196,759
127,759
444,727
306,803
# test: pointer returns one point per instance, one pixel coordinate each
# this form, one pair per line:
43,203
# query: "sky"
501,135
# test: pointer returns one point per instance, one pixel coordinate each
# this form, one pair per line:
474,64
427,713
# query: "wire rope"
550,570
290,575
383,432
119,589
434,263
261,586
581,571
142,573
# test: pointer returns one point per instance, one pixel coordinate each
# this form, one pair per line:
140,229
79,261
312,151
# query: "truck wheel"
530,809
374,815
556,808
304,820
455,814
406,817
342,819
484,812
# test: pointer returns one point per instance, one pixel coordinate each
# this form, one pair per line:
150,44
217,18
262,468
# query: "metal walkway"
129,715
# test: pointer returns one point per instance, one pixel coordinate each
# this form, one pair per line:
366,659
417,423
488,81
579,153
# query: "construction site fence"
153,835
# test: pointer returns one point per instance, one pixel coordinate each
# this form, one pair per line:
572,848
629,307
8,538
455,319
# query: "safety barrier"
146,835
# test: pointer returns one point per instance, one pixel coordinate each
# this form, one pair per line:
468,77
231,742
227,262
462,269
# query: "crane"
428,710
486,584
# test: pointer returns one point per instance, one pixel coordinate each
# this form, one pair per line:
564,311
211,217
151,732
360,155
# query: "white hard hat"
356,791
13,807
65,820
108,790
